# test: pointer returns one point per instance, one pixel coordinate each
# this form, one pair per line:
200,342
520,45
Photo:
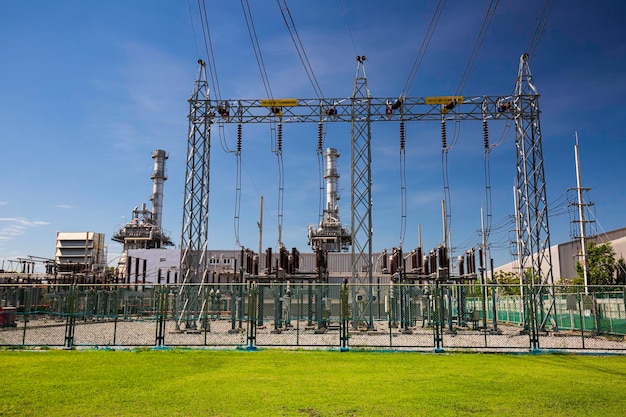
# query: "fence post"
345,316
161,312
70,324
27,308
252,320
580,315
438,317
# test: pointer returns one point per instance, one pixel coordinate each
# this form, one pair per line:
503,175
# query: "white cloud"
16,226
3,203
64,206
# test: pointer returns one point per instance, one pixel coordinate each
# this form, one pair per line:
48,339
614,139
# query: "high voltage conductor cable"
256,47
493,4
345,16
245,5
491,9
446,181
238,186
532,46
297,42
281,180
423,47
488,202
403,200
541,24
208,46
193,28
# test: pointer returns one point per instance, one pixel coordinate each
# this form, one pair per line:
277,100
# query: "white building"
566,255
80,252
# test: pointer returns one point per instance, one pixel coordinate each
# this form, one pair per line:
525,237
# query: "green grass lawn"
308,383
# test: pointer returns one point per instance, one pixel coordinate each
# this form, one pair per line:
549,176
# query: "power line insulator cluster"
239,131
444,139
485,134
320,137
279,138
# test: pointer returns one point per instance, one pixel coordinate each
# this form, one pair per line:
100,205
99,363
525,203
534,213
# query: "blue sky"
88,90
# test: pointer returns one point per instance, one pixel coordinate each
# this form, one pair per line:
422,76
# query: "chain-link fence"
315,315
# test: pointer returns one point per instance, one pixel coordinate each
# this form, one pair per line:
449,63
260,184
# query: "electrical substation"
342,292
419,274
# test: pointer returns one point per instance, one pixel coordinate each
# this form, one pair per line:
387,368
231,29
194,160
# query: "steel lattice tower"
535,260
361,198
194,235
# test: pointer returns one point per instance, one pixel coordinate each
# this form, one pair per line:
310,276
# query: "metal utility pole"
533,234
581,218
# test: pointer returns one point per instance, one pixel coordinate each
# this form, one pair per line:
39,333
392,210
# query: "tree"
601,267
620,272
569,285
508,281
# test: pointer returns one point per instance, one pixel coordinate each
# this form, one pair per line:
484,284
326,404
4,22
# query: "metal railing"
438,316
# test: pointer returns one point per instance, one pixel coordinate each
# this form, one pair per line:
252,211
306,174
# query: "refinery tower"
144,230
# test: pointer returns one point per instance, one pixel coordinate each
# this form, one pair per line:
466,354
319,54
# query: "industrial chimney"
158,178
144,230
330,235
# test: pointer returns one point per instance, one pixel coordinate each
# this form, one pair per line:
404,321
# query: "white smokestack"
158,178
331,175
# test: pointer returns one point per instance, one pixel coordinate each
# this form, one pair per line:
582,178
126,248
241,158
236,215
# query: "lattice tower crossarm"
535,259
339,110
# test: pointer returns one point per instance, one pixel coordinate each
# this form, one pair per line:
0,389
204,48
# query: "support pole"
581,219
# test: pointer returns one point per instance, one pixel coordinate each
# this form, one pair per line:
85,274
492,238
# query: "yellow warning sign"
279,102
444,100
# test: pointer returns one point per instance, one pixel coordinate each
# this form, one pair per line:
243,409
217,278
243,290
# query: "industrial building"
566,255
144,230
80,253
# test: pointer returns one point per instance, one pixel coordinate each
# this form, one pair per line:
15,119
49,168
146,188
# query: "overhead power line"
541,25
345,16
256,47
493,4
208,47
297,42
423,47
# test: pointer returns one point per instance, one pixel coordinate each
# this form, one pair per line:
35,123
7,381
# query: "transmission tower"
535,259
361,199
194,236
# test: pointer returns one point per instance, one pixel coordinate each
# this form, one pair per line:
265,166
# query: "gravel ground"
44,331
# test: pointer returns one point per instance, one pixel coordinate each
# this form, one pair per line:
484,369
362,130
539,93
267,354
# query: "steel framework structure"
195,226
361,110
361,196
535,259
